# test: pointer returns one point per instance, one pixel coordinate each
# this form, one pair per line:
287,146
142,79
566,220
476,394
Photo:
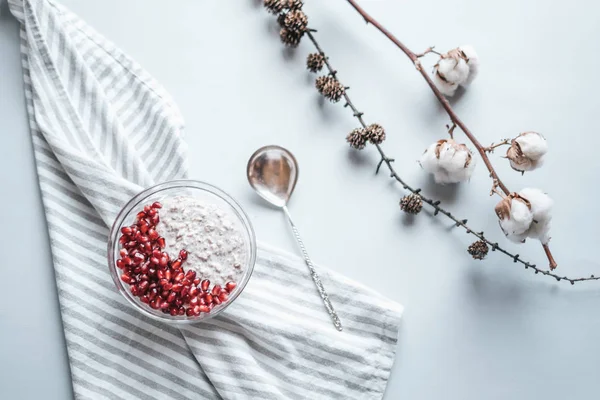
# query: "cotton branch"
445,104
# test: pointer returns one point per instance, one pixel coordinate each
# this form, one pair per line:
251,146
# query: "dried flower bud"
290,38
315,62
293,4
330,88
411,204
357,138
273,6
296,21
281,19
376,133
525,214
458,67
478,250
448,161
527,151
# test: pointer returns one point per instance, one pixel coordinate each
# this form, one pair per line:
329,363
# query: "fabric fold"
103,129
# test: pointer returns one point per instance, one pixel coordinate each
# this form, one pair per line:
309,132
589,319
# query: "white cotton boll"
448,161
527,151
541,208
516,220
447,88
472,62
454,69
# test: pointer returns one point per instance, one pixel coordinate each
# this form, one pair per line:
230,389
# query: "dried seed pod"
274,6
411,204
478,250
293,4
330,88
357,139
376,133
290,38
315,62
296,21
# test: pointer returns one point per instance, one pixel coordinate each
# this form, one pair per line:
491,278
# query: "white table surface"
471,330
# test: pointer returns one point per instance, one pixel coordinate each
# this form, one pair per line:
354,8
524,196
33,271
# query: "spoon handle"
315,277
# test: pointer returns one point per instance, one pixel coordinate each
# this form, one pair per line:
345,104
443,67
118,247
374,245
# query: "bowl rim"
113,247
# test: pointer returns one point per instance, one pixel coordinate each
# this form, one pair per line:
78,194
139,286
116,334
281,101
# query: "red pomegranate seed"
216,290
143,286
172,296
161,242
154,260
208,298
144,268
123,253
138,258
230,286
163,261
164,294
163,282
179,277
123,239
183,254
160,274
152,234
156,204
176,264
185,282
164,305
144,239
204,285
189,312
127,261
181,311
145,299
155,303
134,290
127,278
151,213
197,281
146,209
130,244
156,253
120,264
168,274
177,287
144,277
223,296
201,301
204,309
126,230
137,270
190,275
151,272
148,248
178,302
141,215
194,301
194,291
173,311
185,291
196,310
152,293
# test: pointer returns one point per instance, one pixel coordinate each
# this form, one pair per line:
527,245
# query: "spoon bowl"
273,173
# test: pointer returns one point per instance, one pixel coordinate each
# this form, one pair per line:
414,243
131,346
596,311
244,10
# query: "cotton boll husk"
472,62
541,208
447,89
448,161
533,145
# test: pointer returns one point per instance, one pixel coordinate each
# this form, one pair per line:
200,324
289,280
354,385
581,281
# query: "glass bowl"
209,194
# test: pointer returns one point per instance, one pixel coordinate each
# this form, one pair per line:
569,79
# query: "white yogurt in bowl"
212,236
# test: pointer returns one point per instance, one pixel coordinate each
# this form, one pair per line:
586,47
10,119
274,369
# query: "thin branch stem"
444,102
492,147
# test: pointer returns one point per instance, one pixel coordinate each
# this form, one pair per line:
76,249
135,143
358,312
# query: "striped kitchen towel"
102,130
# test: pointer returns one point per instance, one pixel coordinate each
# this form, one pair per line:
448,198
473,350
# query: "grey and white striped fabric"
102,129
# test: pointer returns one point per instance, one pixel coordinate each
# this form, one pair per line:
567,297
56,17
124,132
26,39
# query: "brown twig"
492,147
445,104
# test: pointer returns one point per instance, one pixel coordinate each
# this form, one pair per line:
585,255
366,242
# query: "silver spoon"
272,173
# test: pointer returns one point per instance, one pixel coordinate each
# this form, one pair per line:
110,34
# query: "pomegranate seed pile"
158,280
